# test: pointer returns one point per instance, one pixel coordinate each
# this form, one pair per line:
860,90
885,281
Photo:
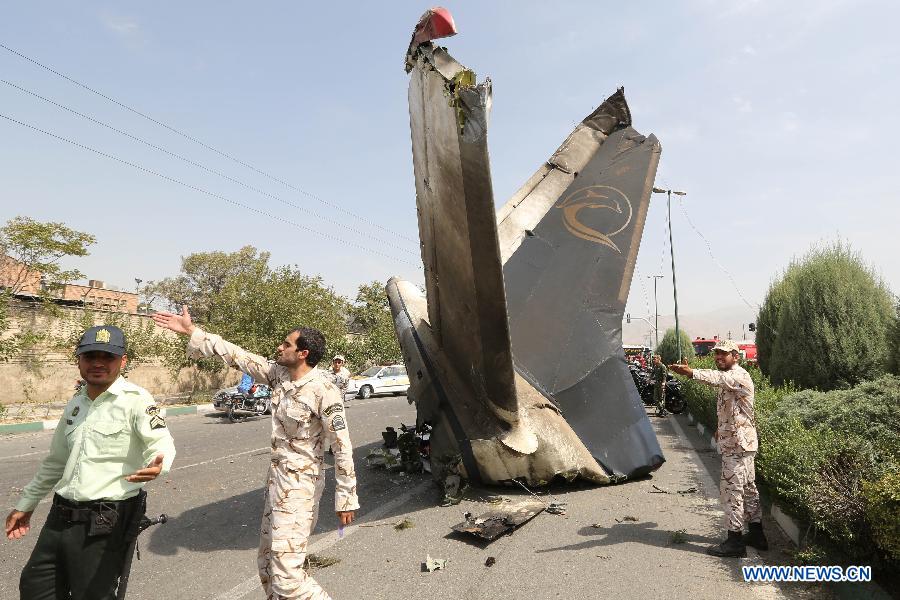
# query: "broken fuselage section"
514,352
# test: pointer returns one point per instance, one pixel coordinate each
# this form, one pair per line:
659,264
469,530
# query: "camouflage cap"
103,338
726,346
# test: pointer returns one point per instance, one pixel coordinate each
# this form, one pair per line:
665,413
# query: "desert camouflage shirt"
307,416
734,408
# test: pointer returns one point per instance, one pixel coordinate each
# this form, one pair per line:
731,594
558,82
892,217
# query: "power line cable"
201,190
716,260
205,145
201,166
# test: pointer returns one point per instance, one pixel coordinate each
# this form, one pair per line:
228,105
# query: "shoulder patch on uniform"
157,422
75,411
332,409
337,423
151,410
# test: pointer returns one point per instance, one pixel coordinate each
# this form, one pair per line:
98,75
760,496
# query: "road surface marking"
326,541
23,455
217,459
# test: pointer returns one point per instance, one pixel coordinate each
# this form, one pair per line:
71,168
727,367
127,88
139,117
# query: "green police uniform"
82,547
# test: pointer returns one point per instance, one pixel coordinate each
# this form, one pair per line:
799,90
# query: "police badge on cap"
103,338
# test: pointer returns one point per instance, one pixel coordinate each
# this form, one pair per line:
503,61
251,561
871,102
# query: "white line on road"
217,459
23,455
326,541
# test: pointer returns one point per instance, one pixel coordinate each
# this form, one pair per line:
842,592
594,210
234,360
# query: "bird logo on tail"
595,197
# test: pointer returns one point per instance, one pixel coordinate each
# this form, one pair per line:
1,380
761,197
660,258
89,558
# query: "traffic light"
752,326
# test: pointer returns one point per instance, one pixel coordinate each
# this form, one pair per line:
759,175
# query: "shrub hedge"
830,458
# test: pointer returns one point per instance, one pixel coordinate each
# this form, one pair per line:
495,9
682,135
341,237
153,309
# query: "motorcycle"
643,381
239,406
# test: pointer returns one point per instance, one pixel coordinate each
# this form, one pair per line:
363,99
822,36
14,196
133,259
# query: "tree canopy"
825,324
39,247
668,348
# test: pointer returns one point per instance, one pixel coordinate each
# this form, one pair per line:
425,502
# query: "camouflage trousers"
290,515
737,490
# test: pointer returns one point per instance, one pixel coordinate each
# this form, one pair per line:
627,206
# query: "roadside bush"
825,323
883,502
668,348
830,458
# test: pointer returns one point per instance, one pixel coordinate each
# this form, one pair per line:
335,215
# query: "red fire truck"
703,346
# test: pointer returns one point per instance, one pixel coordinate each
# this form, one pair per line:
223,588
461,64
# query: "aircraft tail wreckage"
515,352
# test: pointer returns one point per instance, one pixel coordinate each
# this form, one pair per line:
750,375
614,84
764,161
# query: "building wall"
13,273
47,374
101,298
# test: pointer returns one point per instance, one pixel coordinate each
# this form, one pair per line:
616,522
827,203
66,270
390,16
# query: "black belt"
82,512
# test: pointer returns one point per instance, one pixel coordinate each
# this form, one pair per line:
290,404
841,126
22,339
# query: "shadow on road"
640,532
228,524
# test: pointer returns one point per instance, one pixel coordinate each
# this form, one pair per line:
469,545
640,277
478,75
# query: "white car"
381,379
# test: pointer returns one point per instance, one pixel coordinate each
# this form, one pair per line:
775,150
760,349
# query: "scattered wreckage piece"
433,564
498,521
515,351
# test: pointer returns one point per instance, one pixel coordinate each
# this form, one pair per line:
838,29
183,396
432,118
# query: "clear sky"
779,119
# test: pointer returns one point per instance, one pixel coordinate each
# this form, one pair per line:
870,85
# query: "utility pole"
668,194
655,309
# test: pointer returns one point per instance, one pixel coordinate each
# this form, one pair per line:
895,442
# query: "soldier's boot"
731,547
756,538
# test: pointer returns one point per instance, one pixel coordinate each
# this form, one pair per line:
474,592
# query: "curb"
51,424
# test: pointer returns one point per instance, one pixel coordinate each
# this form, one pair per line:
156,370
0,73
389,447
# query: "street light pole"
668,194
656,309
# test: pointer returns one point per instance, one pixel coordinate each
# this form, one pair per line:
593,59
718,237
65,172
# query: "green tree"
371,313
34,247
893,363
825,323
204,276
38,247
668,348
240,297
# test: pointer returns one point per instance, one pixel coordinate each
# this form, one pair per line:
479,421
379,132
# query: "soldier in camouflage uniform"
307,417
659,385
339,374
738,443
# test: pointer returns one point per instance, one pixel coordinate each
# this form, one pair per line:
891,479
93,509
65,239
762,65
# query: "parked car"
381,379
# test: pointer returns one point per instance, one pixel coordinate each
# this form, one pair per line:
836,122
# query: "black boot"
733,546
756,538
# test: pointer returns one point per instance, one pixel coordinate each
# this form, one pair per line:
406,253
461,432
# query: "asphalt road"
214,494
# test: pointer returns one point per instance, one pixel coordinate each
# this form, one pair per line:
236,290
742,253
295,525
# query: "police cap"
102,338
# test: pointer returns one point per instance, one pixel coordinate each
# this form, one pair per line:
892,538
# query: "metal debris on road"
404,524
314,561
490,562
627,518
433,564
498,521
557,508
690,490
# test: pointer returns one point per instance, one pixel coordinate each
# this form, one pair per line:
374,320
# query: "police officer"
659,374
109,442
307,417
737,440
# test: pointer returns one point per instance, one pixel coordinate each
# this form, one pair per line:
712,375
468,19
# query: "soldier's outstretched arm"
205,344
337,437
723,379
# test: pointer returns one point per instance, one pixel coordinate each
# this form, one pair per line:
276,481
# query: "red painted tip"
436,23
